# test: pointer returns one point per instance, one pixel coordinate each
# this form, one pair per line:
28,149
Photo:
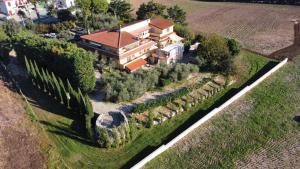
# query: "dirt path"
18,139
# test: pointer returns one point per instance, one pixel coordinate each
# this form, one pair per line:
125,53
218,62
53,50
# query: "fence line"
163,148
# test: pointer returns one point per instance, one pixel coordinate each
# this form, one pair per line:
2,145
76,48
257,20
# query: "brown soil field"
260,27
18,138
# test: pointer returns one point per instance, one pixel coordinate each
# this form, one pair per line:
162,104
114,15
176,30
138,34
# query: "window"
8,3
168,30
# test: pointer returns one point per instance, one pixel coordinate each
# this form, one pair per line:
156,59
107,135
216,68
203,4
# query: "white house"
64,4
11,7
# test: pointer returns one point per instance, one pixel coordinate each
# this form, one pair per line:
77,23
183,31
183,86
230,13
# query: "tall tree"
121,9
177,14
150,9
91,7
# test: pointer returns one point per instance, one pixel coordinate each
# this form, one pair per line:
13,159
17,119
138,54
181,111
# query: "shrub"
214,55
125,87
183,31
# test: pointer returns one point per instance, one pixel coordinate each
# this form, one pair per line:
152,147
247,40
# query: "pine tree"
88,117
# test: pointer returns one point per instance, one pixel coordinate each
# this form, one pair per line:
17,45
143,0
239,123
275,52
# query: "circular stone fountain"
111,119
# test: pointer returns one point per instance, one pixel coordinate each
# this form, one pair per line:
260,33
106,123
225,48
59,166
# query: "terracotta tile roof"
111,38
161,23
135,64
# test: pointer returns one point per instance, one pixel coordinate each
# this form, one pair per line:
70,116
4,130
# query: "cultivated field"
261,130
260,27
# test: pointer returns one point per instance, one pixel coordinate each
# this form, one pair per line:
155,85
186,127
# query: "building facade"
134,45
11,7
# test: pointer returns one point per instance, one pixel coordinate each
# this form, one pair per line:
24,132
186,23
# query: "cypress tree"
63,92
57,88
116,137
88,117
46,80
27,66
81,103
51,86
72,96
107,139
33,73
39,77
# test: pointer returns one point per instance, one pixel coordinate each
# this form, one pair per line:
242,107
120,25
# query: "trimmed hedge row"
140,108
63,58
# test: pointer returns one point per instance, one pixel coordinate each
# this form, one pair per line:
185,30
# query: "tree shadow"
67,131
200,114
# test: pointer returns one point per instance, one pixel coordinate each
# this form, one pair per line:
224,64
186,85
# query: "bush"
65,15
214,54
140,108
125,87
104,22
183,31
55,27
63,58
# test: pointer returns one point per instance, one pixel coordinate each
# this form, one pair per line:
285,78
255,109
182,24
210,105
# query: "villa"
11,7
133,46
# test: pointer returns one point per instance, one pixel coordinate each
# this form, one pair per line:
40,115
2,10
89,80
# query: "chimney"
297,33
120,36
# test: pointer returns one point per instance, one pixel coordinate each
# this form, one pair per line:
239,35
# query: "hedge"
64,59
140,108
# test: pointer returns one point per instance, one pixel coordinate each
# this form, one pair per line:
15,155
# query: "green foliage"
214,55
150,10
233,46
140,108
116,136
55,27
121,9
11,27
65,15
63,58
177,14
132,128
91,7
103,22
183,31
150,120
125,87
80,104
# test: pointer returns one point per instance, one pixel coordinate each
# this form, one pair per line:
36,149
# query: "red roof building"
132,45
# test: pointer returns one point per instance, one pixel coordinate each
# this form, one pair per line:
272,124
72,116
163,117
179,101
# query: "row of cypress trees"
64,93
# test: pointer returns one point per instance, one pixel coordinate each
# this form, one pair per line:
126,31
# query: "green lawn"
68,149
274,104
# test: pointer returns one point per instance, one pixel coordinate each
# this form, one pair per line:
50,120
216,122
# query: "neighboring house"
11,7
64,4
134,45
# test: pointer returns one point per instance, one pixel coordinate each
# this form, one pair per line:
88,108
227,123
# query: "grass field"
261,130
68,149
260,27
